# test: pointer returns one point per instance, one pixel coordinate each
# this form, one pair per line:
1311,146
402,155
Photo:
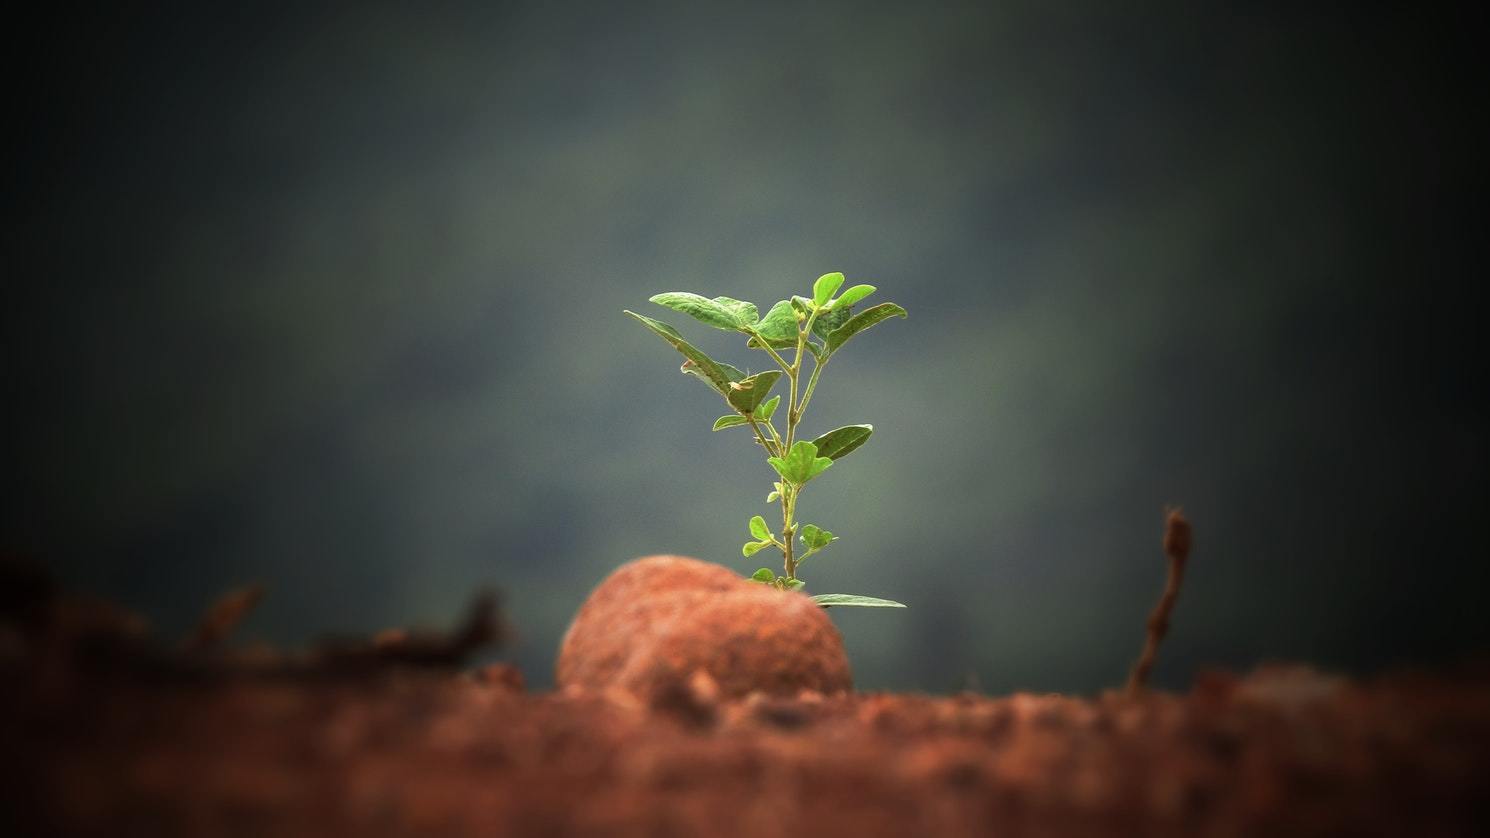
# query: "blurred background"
331,300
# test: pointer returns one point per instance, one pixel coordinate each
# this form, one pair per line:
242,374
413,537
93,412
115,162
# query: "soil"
670,623
107,733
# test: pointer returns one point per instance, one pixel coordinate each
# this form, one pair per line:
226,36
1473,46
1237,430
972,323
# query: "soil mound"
667,623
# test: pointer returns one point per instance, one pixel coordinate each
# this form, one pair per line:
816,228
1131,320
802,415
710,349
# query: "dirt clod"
656,621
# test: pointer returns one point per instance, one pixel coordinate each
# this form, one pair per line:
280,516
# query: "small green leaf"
752,547
861,321
779,326
826,285
801,463
730,421
716,375
745,394
852,295
840,441
721,313
830,600
819,465
765,574
795,584
815,537
768,409
759,529
773,497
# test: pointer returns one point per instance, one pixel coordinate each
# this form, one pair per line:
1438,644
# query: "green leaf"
830,600
768,409
746,393
750,548
822,290
801,464
721,312
795,584
773,497
852,295
861,321
778,327
730,421
840,441
765,574
715,374
831,319
759,529
732,373
743,312
815,537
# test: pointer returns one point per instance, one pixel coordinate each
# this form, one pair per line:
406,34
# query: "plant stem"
765,443
775,436
788,511
766,346
794,410
817,367
1177,548
793,416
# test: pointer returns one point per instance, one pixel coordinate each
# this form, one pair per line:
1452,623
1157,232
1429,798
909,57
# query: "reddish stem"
1177,548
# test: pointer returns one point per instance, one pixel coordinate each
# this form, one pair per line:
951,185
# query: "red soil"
669,623
106,734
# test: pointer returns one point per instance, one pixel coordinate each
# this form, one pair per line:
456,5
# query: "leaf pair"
800,464
833,323
763,535
762,412
828,284
767,576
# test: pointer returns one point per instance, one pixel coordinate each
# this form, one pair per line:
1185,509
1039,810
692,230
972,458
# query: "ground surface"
405,752
109,731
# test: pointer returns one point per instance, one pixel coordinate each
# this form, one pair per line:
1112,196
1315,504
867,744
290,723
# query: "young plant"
815,328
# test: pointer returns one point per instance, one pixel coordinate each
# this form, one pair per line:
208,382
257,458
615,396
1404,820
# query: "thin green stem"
793,416
788,511
766,346
793,411
775,436
817,368
765,443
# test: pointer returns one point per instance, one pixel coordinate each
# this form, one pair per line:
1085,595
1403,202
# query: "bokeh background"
331,300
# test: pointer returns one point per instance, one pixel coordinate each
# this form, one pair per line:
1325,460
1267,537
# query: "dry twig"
1177,548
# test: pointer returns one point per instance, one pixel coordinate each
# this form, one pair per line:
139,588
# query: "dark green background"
331,300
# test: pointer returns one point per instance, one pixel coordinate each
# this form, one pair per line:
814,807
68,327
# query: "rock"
655,622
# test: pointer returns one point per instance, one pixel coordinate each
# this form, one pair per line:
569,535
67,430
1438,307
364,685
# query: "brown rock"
655,622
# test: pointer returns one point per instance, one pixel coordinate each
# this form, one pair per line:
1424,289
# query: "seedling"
816,328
